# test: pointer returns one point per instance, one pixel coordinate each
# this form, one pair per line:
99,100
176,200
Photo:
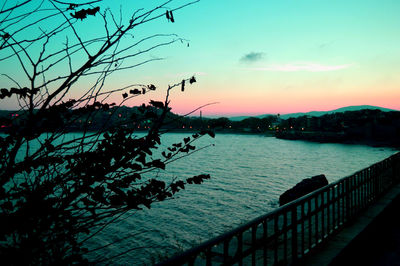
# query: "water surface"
248,172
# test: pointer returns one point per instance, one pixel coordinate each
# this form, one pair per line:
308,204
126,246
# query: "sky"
266,57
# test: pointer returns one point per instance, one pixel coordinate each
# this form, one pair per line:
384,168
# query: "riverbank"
337,137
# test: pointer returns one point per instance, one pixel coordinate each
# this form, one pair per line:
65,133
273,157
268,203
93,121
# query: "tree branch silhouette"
57,191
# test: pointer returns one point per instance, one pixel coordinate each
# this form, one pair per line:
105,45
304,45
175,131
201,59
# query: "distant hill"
318,113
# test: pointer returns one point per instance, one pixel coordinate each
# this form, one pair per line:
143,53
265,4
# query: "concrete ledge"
337,250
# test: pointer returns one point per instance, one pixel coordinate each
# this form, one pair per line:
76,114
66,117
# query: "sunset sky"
262,56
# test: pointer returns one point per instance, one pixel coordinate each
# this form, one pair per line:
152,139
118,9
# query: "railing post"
240,249
276,229
208,256
294,234
226,251
376,181
253,244
348,196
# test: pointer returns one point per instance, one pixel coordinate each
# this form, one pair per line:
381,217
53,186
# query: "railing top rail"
181,257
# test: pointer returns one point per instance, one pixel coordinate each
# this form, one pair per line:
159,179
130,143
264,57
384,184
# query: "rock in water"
304,187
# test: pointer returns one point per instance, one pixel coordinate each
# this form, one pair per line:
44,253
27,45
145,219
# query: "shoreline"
336,137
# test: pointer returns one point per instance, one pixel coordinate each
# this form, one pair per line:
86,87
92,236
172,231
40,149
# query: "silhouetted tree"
57,192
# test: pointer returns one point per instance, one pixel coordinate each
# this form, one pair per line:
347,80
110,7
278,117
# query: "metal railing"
287,234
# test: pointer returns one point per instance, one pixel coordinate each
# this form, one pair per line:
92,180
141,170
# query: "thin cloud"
252,57
294,67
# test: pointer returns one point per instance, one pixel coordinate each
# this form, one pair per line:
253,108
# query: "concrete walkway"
372,239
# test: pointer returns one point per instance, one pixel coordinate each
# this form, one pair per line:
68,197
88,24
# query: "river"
248,173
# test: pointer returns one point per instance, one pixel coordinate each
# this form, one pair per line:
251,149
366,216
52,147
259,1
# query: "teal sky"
257,57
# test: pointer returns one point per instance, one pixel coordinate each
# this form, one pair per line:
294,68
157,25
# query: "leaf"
133,177
186,140
190,147
158,164
83,13
116,200
116,190
166,155
151,87
136,167
98,194
209,132
180,184
183,85
125,95
147,150
197,179
141,158
92,11
192,80
135,92
49,147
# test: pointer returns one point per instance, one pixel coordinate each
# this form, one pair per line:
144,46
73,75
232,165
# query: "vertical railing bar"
240,248
381,178
285,231
208,256
374,178
328,211
294,235
309,225
323,214
373,183
335,203
364,190
265,237
355,205
369,185
366,187
359,191
341,202
316,219
347,182
333,210
338,204
344,204
351,196
337,198
253,244
371,178
302,228
191,261
276,239
226,251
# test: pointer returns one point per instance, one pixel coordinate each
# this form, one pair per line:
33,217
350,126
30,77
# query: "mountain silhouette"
318,113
